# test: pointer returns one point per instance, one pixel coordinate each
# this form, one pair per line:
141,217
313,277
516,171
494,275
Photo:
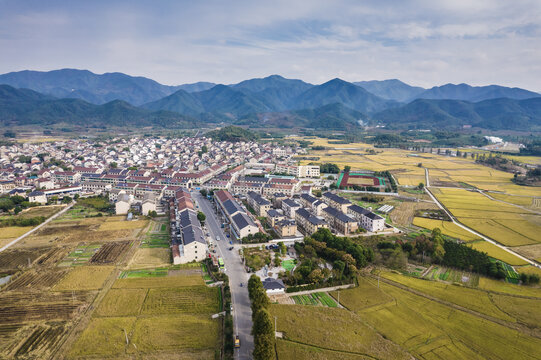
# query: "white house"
37,197
123,203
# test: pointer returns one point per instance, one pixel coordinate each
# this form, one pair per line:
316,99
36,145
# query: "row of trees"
16,203
262,329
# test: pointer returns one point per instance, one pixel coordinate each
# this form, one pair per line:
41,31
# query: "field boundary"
327,349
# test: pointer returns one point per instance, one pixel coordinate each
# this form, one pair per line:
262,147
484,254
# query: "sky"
424,43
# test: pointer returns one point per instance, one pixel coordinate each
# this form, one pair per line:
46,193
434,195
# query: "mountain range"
115,98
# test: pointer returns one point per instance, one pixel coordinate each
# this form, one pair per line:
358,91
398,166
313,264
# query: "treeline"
256,238
262,328
465,258
18,221
17,203
329,168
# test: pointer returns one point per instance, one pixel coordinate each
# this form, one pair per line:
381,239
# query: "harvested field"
159,282
46,211
150,258
122,302
43,339
84,278
183,300
39,311
53,256
39,279
110,253
404,212
16,259
123,225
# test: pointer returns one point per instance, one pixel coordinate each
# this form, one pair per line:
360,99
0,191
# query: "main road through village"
242,313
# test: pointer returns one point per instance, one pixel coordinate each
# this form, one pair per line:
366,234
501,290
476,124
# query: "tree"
203,192
10,134
113,165
204,149
201,217
67,200
152,213
421,186
263,332
347,168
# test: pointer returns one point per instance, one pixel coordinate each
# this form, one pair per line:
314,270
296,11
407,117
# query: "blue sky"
423,43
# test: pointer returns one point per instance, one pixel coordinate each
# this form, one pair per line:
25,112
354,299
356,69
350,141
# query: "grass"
497,253
84,278
429,329
333,328
447,228
288,265
291,350
103,337
122,302
473,299
364,296
131,274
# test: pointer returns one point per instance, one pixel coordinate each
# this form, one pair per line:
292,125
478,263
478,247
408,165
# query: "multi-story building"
286,227
258,203
336,201
366,218
289,207
341,222
309,223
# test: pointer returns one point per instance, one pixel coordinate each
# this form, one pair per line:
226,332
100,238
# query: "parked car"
231,248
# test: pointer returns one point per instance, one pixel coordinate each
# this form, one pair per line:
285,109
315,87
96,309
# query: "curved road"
242,313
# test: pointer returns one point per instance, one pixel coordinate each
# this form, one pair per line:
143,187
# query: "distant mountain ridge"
269,101
392,89
502,113
27,107
474,93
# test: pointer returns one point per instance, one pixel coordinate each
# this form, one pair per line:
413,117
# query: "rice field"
507,224
84,278
123,225
497,253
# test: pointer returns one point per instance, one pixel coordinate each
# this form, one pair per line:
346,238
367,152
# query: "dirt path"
37,227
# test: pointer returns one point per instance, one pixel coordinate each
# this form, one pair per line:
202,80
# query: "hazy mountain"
475,93
340,91
332,116
94,88
223,99
275,91
180,101
198,86
392,89
500,113
25,107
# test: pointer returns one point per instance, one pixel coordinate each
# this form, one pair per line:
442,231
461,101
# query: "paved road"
242,314
37,227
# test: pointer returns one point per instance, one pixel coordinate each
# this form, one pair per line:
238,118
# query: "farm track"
458,223
515,326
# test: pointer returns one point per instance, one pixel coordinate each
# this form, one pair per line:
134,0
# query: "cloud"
422,42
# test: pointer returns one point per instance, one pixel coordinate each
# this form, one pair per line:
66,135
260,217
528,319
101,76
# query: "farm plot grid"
81,255
159,312
317,299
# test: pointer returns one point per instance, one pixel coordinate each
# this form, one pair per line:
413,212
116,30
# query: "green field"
80,256
288,265
319,298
